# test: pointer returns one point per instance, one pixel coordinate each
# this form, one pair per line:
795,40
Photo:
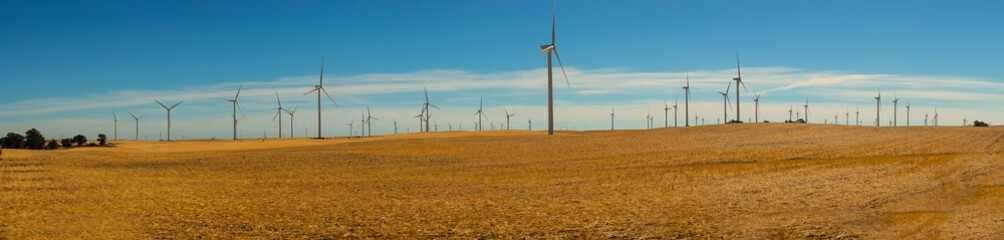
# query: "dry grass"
738,181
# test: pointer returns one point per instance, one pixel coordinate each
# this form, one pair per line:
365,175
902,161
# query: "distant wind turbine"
676,113
481,114
756,110
739,81
236,106
116,119
686,103
895,103
292,114
611,118
507,116
878,109
168,116
369,122
137,123
726,105
278,114
427,111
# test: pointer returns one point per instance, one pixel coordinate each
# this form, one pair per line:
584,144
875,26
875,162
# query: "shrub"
102,138
67,142
979,123
80,140
53,144
34,139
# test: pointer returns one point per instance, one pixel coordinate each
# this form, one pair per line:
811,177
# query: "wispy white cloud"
592,93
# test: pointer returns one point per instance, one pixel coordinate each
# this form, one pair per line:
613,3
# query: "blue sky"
67,65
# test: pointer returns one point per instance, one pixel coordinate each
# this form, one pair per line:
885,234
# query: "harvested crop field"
732,181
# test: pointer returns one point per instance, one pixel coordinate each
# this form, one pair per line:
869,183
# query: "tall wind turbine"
739,81
351,129
789,112
291,115
428,112
116,117
137,123
686,103
676,113
278,114
507,116
395,126
878,109
421,120
549,48
481,114
236,106
168,116
756,110
895,103
369,122
320,88
857,115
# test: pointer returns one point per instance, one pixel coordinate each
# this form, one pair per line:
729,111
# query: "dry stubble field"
735,181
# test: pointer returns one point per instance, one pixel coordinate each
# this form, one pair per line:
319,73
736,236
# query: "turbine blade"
239,91
241,109
277,98
329,96
434,106
562,67
176,104
276,115
133,116
554,21
311,91
161,104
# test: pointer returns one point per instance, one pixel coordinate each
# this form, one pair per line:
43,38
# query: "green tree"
67,143
53,145
34,139
13,140
80,140
102,138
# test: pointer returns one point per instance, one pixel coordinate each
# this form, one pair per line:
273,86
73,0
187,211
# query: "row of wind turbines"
550,49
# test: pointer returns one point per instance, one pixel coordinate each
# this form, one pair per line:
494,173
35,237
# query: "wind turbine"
935,117
726,104
529,124
676,113
421,120
168,116
648,120
236,106
895,103
878,109
857,115
351,123
611,118
925,119
686,103
291,115
789,112
278,114
549,48
507,116
481,114
739,81
395,126
369,122
428,112
362,123
806,109
847,117
319,88
756,110
137,123
666,113
116,125
907,114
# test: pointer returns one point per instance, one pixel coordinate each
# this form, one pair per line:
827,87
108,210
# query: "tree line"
33,139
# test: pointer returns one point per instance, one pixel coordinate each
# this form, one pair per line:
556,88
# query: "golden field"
733,181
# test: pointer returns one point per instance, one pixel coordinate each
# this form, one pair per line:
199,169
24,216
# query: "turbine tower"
507,116
895,116
666,113
236,106
789,112
369,122
756,110
726,105
806,109
878,109
426,110
611,118
137,123
551,48
319,88
686,103
168,116
116,118
739,81
481,114
908,114
278,113
291,115
676,113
